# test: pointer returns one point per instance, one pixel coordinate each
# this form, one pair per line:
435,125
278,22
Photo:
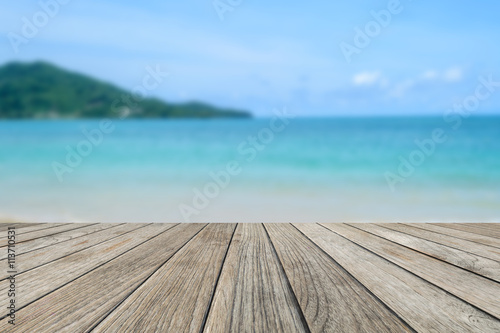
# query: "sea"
358,169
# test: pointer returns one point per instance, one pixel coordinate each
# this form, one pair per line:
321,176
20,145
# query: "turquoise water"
331,169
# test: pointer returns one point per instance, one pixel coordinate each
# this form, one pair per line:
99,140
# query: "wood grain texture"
485,251
176,298
18,226
490,241
253,290
24,237
422,305
455,280
36,258
259,278
472,229
79,305
471,262
39,281
330,298
34,227
495,226
35,244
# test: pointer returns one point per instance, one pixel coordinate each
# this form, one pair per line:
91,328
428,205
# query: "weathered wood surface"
80,305
176,298
474,263
485,251
491,232
453,279
422,305
254,278
489,226
38,243
42,256
22,228
459,234
37,282
17,226
253,291
24,237
332,300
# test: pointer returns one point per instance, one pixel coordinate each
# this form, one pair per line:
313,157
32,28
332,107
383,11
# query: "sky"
321,58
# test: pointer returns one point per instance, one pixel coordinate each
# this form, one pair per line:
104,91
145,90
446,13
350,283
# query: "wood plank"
176,298
35,227
38,243
39,281
38,226
455,280
494,226
471,262
79,305
18,226
460,244
330,298
36,258
458,234
5,225
475,230
253,290
425,307
24,237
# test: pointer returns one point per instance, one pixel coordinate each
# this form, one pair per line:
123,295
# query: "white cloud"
453,74
429,75
366,78
401,88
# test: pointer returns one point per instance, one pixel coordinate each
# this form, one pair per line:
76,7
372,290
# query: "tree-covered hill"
42,90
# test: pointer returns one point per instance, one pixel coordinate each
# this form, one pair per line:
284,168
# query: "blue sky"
273,54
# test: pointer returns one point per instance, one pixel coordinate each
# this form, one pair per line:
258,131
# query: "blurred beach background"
396,124
315,170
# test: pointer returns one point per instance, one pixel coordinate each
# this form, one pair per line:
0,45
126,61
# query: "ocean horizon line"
254,117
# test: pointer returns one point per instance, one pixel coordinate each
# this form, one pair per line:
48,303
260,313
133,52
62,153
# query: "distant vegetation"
42,90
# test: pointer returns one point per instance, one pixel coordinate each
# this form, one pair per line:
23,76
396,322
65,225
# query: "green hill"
42,90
